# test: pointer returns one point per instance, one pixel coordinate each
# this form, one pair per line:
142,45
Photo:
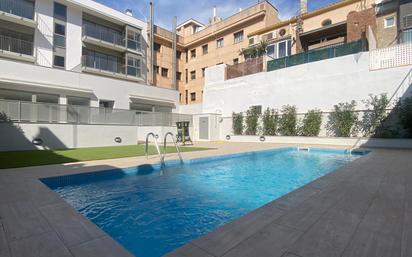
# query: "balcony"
109,66
15,48
104,37
18,11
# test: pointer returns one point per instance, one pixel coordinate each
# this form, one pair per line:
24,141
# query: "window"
186,96
236,61
193,53
134,67
257,109
59,37
390,22
165,72
282,49
205,49
178,55
106,104
193,75
193,96
157,47
407,21
407,36
203,72
279,49
156,69
238,37
178,75
133,40
251,41
186,76
60,11
59,61
220,42
326,22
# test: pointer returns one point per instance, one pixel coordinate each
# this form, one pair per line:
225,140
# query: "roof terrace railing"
318,55
20,8
16,45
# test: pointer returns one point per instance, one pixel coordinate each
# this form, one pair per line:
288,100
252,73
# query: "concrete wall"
16,137
316,85
66,83
20,136
332,141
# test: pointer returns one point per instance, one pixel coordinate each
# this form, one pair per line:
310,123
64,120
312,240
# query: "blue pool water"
152,211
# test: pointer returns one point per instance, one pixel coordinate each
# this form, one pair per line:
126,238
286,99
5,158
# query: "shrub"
374,118
252,118
288,121
405,115
238,123
343,120
311,123
270,122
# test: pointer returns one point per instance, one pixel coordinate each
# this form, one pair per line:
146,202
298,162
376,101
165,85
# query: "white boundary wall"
315,85
20,136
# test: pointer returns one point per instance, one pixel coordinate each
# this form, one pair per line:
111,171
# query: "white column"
63,108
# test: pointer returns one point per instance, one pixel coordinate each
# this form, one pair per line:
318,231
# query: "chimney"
214,11
303,6
129,12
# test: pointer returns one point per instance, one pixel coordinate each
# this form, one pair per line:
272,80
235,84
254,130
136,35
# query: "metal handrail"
16,45
18,7
104,33
174,142
157,147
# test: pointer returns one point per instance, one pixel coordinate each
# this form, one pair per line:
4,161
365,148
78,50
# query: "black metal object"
183,134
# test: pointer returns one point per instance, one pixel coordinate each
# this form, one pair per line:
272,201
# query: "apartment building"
335,24
394,22
200,46
76,52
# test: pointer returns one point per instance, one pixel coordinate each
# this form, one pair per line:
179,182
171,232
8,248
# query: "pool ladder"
161,156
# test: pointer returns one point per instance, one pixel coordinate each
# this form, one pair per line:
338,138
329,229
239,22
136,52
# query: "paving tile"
44,245
22,219
328,237
407,235
4,247
307,213
189,250
295,198
72,227
379,233
226,237
102,247
272,241
368,243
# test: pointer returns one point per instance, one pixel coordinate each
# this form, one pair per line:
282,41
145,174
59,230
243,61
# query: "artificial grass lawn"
43,157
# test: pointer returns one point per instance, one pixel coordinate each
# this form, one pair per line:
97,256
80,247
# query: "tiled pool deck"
362,209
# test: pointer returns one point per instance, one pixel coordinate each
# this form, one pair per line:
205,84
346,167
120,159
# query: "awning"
43,87
337,28
152,101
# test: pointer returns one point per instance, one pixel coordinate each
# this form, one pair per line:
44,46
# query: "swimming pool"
152,211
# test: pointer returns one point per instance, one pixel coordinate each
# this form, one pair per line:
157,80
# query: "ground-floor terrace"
361,209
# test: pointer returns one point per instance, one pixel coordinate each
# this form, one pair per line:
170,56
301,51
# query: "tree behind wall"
343,120
311,123
237,123
270,122
405,115
288,121
252,118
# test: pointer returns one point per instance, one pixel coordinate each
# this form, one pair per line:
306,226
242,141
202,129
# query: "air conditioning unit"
407,21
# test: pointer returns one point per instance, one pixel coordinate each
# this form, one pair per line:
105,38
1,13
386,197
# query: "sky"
202,10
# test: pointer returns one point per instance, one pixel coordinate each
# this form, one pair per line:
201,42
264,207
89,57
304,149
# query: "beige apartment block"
338,23
201,46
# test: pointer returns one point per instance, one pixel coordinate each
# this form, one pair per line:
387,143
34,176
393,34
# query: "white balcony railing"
391,57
